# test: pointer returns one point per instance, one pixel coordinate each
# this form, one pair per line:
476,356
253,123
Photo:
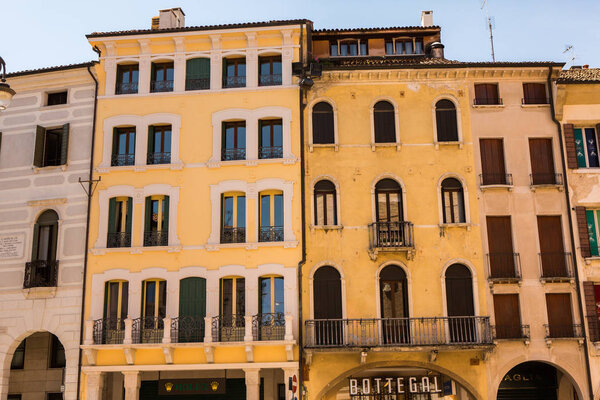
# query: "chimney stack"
426,18
437,50
586,66
169,18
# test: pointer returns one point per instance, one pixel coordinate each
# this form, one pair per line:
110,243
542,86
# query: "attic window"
349,48
403,46
57,98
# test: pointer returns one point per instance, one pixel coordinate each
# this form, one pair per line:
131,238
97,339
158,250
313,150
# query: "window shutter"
115,142
124,299
204,68
570,146
112,211
106,286
591,226
64,145
54,241
148,212
151,139
0,142
34,245
38,155
165,226
589,296
584,239
129,215
192,68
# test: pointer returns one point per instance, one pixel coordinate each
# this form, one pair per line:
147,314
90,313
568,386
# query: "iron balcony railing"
147,330
394,332
269,326
228,328
487,101
270,152
197,84
233,154
161,86
109,331
41,273
489,179
120,160
563,331
535,100
234,81
188,329
555,266
269,80
233,235
159,158
118,239
156,238
126,88
540,179
504,267
594,327
511,332
270,234
391,235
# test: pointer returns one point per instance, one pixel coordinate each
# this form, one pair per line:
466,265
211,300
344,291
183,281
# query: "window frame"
584,145
128,131
234,294
271,59
316,193
414,41
457,108
153,131
160,301
129,69
452,221
122,298
311,125
236,196
164,67
272,228
236,61
272,293
347,41
271,123
374,143
53,93
236,125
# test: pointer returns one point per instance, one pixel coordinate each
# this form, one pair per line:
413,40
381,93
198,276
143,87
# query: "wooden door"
501,254
560,317
460,306
552,250
327,300
492,161
506,312
192,309
542,161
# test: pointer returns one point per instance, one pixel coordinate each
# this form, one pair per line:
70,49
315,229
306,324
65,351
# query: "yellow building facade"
195,220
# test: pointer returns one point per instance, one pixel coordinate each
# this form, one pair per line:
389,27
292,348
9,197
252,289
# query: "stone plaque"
12,245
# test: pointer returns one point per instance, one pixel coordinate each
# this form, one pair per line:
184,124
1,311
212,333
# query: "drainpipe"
573,253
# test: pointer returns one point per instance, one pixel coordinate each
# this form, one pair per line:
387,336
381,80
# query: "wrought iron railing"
545,179
488,179
118,239
233,154
161,86
269,326
391,235
234,81
41,273
382,332
504,266
510,331
487,101
228,328
197,84
269,80
563,331
126,88
555,266
109,331
156,238
270,152
159,158
188,329
270,234
535,100
147,330
233,235
120,160
594,327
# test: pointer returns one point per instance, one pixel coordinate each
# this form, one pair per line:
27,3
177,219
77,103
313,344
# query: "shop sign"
395,385
530,376
168,387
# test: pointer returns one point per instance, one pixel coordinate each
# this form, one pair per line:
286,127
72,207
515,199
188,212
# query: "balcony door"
501,257
45,234
492,162
327,303
560,317
116,301
388,207
232,309
552,251
154,302
192,309
542,161
460,306
394,305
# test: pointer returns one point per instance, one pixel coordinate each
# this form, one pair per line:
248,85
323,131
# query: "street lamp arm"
2,70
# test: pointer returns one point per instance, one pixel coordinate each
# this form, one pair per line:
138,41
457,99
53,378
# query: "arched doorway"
327,303
534,380
460,304
393,295
37,369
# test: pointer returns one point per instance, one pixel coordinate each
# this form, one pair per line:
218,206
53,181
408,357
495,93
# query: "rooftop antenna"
571,50
489,22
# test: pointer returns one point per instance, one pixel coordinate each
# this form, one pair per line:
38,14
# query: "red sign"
294,384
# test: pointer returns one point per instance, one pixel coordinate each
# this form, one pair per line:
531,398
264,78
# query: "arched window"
389,228
384,122
322,123
460,305
453,201
325,203
446,123
327,303
394,305
42,271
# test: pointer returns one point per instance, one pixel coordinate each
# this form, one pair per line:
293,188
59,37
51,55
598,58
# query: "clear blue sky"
39,33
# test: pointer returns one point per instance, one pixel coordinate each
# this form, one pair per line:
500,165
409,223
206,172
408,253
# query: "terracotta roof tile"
50,69
587,75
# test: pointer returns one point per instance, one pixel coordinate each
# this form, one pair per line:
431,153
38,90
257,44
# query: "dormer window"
403,46
349,48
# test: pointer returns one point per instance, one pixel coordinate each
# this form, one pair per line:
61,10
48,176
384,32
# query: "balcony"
118,239
234,82
398,332
161,86
490,179
147,330
504,267
570,331
126,88
156,238
121,160
233,154
228,328
109,331
555,267
270,234
269,80
545,179
269,326
510,332
391,236
535,100
487,101
197,84
594,327
270,152
158,158
41,273
187,329
233,235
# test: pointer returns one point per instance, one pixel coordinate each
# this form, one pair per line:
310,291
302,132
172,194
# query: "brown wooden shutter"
500,247
582,229
38,154
320,48
377,47
492,161
560,316
551,246
589,296
542,161
570,146
507,317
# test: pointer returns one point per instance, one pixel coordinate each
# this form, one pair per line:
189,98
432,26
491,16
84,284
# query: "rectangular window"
586,145
350,48
535,93
159,144
156,229
487,94
120,210
269,73
18,360
57,98
233,144
51,146
542,162
271,139
127,79
271,295
233,297
271,218
507,315
155,298
233,218
57,353
234,72
14,397
162,77
123,151
492,162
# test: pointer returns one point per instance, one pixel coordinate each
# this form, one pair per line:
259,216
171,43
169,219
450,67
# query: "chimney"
169,18
426,18
586,66
437,50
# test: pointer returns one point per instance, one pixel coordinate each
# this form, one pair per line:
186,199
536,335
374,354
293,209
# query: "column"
179,70
110,68
94,385
251,68
287,57
252,384
287,374
131,383
144,75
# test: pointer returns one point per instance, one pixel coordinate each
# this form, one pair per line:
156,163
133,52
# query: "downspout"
570,217
87,228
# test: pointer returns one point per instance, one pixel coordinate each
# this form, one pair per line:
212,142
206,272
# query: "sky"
39,33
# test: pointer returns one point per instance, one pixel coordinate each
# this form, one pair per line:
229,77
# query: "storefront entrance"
530,381
235,389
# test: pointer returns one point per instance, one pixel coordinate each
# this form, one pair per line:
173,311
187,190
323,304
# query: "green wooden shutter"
148,214
151,139
129,215
64,145
115,142
38,155
579,148
112,211
591,224
106,286
124,299
165,224
204,68
192,297
192,68
34,246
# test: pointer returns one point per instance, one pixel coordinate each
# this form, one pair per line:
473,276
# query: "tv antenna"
571,50
489,22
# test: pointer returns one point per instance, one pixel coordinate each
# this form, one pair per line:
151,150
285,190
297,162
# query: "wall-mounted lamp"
6,93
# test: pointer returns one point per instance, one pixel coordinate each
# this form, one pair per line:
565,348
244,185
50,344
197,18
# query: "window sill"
37,170
461,225
139,168
586,170
530,106
488,106
551,186
252,163
591,260
491,187
55,107
326,227
135,249
448,144
250,245
333,146
40,292
397,145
